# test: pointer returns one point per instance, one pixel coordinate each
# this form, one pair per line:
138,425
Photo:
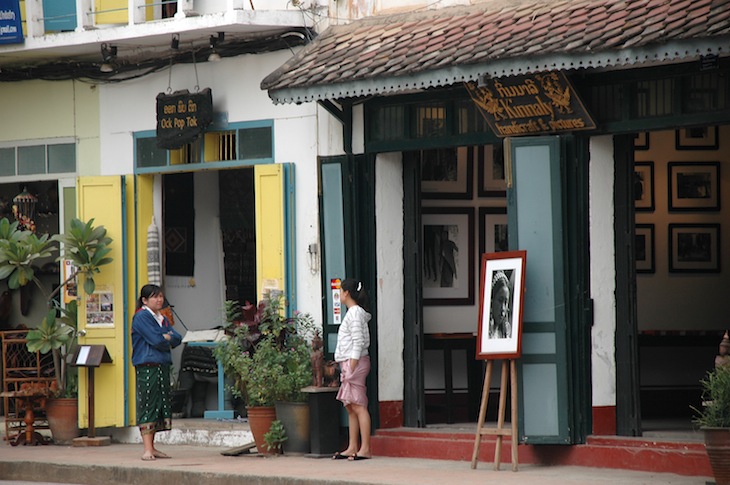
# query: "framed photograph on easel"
502,288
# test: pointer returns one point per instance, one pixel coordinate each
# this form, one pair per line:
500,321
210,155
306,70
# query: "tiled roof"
440,47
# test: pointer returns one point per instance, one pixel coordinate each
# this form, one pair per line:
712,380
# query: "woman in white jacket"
353,340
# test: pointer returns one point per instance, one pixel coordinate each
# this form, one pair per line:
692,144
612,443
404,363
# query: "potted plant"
714,420
20,251
275,437
267,356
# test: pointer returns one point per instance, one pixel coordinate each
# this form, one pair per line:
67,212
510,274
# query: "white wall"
603,270
389,241
129,107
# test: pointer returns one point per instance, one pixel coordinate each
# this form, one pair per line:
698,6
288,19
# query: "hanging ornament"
24,209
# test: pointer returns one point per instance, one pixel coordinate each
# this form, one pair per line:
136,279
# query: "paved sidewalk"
201,465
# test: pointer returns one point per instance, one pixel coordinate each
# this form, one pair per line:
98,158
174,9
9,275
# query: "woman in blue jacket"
152,340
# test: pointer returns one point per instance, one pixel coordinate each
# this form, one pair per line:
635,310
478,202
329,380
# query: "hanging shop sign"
543,103
182,117
11,29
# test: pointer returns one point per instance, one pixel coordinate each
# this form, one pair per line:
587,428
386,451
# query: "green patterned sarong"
153,398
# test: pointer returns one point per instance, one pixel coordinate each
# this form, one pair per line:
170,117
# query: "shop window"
37,159
61,158
240,142
654,98
189,153
606,102
255,143
389,123
220,146
7,162
469,120
31,160
430,121
705,92
148,155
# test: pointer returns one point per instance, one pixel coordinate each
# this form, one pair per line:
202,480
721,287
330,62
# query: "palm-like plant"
87,247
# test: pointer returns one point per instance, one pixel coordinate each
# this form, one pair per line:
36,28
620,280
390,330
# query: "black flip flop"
340,456
357,457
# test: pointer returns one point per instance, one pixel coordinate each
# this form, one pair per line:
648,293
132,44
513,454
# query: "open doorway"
462,214
208,228
680,283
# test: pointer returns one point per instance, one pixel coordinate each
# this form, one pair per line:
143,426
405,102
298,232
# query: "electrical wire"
126,70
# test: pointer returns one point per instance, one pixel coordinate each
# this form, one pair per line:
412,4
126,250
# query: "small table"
221,412
29,399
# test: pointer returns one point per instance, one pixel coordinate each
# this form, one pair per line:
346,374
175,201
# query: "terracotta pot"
260,419
717,444
295,418
63,418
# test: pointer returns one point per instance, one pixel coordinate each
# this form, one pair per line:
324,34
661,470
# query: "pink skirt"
352,384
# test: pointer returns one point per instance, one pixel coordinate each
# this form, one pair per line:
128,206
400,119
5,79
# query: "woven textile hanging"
154,277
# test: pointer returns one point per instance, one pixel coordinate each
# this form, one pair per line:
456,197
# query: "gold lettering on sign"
179,123
532,104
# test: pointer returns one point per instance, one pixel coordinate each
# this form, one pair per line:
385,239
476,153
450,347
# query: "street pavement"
203,465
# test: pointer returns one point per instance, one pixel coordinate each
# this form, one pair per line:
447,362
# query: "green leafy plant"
715,411
266,353
275,437
58,335
21,250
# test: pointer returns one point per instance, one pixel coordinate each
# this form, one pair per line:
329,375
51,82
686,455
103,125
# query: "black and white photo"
448,248
500,305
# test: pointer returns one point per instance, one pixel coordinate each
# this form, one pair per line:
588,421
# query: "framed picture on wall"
694,186
694,248
644,186
491,170
501,295
448,255
697,138
447,173
641,141
493,230
644,248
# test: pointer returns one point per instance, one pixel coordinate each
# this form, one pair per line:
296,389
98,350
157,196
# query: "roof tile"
408,43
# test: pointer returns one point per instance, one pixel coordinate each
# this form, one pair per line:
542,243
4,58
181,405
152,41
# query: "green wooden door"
536,220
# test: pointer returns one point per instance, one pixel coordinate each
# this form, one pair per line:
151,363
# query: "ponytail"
357,291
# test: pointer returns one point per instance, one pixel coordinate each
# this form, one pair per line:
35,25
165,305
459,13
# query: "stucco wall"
129,107
389,237
603,269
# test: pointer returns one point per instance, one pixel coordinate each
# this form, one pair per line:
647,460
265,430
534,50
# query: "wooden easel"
500,430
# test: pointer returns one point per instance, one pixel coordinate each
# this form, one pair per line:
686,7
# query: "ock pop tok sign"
182,117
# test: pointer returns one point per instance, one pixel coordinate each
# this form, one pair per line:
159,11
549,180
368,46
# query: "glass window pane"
389,123
254,143
149,155
62,158
7,161
469,119
431,121
31,160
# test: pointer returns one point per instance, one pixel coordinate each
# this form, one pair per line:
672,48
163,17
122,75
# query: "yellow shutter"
101,198
270,232
139,219
111,11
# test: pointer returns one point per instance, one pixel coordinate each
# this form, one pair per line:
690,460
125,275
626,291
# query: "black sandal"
340,456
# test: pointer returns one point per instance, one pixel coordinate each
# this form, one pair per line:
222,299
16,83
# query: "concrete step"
686,458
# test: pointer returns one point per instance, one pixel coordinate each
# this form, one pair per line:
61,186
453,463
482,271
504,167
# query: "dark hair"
146,292
357,291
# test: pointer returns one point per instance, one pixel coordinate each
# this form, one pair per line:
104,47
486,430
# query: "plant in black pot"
713,417
268,356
